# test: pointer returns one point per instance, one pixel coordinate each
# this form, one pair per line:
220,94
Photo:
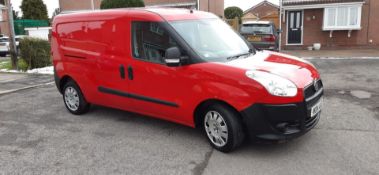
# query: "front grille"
310,90
312,94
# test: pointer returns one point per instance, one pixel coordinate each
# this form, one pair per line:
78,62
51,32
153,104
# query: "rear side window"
257,28
150,41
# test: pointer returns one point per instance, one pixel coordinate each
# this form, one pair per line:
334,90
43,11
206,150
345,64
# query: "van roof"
156,14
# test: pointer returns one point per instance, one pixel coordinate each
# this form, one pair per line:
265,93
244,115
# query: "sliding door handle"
122,71
130,73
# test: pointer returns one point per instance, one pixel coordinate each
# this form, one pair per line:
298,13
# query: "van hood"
299,71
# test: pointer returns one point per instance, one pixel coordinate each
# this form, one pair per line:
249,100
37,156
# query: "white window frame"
1,15
325,26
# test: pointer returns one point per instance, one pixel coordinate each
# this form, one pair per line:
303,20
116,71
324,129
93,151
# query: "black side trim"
138,97
74,56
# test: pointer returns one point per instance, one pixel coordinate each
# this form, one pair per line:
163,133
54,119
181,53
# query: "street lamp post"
12,42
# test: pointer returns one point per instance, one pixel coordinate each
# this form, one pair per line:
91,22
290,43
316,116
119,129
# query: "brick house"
332,23
214,6
74,5
4,29
265,11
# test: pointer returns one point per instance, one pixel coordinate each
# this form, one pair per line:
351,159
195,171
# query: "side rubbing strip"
138,97
74,56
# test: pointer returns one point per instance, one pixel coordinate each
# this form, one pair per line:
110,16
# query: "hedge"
111,4
35,52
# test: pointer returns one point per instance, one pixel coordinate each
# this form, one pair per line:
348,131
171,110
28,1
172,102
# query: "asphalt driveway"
38,136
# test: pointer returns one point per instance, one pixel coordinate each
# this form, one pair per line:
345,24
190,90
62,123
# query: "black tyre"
3,54
73,99
223,127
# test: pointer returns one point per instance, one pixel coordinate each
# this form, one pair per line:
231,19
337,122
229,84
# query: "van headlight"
275,85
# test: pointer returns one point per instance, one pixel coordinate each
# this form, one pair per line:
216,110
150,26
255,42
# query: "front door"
155,89
295,27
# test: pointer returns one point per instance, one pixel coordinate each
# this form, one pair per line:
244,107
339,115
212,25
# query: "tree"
34,9
233,12
55,13
15,15
110,4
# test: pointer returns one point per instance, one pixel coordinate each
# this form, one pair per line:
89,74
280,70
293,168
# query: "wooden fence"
234,23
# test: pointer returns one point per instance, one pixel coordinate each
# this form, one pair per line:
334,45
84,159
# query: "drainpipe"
209,6
280,24
198,5
92,5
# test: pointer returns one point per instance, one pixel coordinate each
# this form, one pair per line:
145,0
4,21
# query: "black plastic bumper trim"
281,122
135,96
57,81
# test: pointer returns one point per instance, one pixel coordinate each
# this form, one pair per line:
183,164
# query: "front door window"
150,41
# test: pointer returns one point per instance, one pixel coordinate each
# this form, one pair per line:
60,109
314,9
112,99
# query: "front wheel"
73,99
223,127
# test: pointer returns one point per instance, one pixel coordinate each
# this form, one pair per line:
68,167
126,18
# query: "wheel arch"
197,117
63,81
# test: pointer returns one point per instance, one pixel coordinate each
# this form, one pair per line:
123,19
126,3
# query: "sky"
53,4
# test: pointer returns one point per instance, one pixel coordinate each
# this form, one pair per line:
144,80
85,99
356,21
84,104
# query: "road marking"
24,88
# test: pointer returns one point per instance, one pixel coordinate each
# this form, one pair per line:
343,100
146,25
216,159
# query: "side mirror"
172,57
279,31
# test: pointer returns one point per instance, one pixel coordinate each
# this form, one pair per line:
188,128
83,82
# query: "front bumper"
281,122
265,45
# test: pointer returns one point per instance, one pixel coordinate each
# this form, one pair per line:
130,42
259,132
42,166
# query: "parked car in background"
4,44
261,34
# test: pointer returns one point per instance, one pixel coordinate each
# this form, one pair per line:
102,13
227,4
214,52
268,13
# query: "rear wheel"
73,99
223,127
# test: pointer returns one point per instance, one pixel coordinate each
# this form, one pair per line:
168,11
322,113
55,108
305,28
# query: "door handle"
122,72
130,72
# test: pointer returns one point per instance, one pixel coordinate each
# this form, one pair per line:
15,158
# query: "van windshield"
212,39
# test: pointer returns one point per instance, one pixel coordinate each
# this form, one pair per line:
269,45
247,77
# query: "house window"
342,18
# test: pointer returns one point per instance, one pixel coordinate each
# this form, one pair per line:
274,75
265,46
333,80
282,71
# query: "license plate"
316,108
254,38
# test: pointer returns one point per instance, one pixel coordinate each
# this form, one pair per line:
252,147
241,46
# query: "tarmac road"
38,136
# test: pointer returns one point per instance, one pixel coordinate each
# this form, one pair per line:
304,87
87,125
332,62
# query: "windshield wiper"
241,55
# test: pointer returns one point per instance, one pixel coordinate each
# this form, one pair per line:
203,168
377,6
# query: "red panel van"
187,67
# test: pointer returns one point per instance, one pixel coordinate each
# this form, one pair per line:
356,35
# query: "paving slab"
14,81
339,54
39,136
